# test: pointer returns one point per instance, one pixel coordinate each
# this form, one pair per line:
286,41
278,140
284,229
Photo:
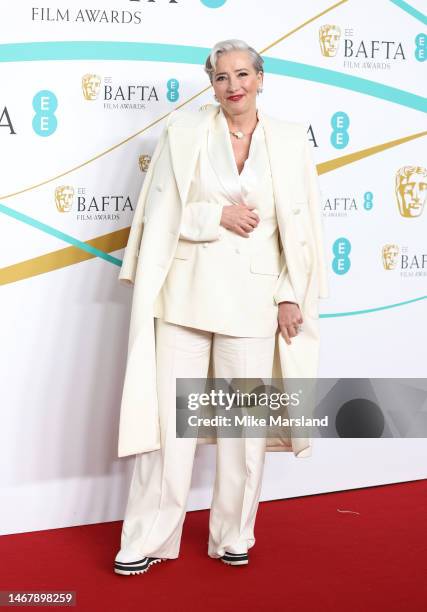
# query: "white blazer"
219,281
152,245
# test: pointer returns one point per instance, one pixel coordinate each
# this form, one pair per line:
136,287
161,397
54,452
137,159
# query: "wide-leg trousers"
161,479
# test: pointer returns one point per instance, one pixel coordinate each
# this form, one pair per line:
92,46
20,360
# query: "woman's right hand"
239,218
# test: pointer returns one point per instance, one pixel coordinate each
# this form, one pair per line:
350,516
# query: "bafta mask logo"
390,254
411,190
91,84
329,38
144,162
64,198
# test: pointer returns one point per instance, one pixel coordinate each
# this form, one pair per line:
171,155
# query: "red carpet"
308,556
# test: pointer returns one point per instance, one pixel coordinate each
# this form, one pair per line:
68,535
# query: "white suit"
249,276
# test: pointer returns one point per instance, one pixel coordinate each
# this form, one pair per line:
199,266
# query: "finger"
241,232
252,222
292,331
284,332
253,216
298,329
246,227
248,218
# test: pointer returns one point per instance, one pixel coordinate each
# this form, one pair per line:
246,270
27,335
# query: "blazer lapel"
186,138
185,141
221,158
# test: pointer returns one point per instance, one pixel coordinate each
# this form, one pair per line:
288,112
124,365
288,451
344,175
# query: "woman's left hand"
289,319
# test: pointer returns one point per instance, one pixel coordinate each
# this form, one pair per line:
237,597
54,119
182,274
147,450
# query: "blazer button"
205,244
159,188
144,219
296,210
303,242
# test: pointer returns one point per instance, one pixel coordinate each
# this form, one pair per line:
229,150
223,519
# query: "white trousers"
161,479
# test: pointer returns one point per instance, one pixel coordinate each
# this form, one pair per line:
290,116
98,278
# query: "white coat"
153,241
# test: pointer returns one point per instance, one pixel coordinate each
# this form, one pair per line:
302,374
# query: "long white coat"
153,240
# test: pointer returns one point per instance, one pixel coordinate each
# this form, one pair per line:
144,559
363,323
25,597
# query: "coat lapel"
285,188
185,140
279,156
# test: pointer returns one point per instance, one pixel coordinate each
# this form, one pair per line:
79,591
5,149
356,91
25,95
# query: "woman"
226,256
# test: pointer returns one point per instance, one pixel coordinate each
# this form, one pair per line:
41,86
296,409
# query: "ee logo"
45,104
368,200
341,250
339,136
421,47
173,90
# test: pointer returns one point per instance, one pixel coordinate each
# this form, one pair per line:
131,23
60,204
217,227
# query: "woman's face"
235,82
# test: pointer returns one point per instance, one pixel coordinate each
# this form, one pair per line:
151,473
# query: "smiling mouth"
235,98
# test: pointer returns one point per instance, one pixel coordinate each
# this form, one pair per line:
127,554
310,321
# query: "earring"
215,97
259,90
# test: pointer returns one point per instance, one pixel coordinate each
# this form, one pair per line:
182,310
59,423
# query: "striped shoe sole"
135,567
235,558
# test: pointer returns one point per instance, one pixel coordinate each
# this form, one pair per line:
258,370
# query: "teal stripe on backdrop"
156,52
410,10
346,81
58,234
368,310
102,50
